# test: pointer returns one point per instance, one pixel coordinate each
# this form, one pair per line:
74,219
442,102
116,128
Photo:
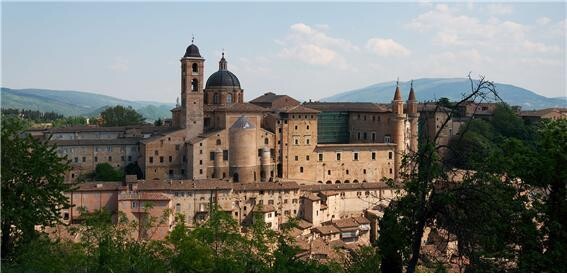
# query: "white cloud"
450,29
310,53
386,47
314,46
543,21
119,65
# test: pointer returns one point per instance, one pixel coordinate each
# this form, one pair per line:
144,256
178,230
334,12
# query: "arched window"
320,182
195,68
229,99
194,85
346,181
329,182
216,98
355,181
266,141
337,182
218,142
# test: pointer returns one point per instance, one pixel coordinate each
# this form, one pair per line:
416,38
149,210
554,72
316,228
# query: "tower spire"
192,38
411,92
397,95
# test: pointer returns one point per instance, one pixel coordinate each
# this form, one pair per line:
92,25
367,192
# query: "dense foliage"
508,211
215,246
121,116
32,185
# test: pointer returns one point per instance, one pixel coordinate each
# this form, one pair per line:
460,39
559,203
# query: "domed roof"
222,77
242,122
192,51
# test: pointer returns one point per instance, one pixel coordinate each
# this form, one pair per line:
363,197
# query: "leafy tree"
364,260
158,122
121,116
105,172
32,185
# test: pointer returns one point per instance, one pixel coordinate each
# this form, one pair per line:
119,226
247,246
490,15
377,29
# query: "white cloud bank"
386,47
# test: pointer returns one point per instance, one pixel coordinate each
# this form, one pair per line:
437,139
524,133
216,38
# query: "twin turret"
405,140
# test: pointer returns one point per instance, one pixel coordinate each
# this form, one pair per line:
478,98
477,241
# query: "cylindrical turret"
218,163
413,117
398,130
266,162
242,152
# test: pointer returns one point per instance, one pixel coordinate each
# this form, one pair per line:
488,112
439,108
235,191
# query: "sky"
131,50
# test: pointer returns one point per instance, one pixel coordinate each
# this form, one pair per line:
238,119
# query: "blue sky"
306,50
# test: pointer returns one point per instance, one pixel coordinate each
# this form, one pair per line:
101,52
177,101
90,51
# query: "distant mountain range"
77,103
430,89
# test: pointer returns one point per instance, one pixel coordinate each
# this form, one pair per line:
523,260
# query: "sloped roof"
242,122
267,98
297,109
326,230
347,106
83,142
243,107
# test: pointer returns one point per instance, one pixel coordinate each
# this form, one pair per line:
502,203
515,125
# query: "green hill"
452,88
76,103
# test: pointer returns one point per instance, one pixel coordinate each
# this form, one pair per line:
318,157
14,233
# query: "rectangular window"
170,158
109,148
387,139
212,155
96,159
338,157
76,159
355,156
122,158
161,159
129,158
373,156
84,159
301,169
133,204
110,159
320,157
390,155
307,157
294,200
271,202
296,158
225,155
373,136
176,147
151,159
365,135
156,152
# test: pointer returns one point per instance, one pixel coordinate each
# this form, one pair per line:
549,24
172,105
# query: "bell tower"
192,76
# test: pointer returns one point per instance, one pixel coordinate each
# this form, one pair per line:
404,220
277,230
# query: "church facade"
214,134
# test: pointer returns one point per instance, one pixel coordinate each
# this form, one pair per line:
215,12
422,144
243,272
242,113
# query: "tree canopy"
121,116
32,185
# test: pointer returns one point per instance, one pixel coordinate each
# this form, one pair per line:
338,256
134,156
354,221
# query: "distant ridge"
430,89
76,103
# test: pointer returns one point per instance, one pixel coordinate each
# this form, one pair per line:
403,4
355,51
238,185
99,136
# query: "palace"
320,162
214,134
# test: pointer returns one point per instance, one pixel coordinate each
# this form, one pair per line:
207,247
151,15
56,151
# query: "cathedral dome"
223,77
192,51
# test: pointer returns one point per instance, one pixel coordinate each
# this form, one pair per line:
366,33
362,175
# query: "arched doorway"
235,177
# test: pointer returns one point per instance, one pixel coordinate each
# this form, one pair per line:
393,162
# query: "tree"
423,171
32,185
158,122
105,172
121,116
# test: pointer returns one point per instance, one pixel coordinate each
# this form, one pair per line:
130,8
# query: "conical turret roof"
242,122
